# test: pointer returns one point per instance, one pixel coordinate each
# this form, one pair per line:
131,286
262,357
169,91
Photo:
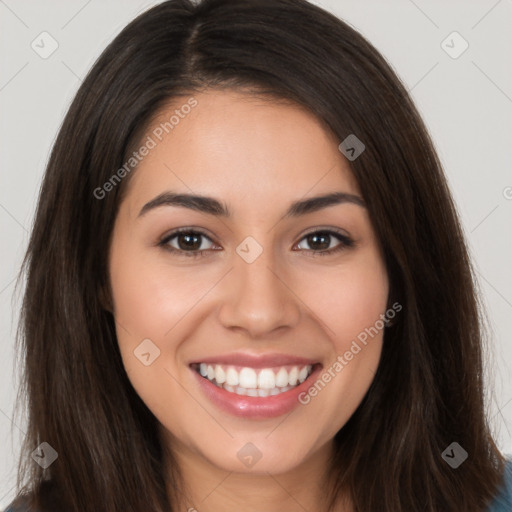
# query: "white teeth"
255,392
253,382
293,376
303,375
267,379
248,378
220,374
232,377
281,378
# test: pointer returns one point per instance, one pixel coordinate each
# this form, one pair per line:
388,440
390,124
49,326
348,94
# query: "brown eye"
186,242
320,242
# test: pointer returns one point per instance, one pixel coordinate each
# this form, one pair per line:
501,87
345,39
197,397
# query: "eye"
188,242
321,240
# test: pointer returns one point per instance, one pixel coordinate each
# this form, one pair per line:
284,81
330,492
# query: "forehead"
251,151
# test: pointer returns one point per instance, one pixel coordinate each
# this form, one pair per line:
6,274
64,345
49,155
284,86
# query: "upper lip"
256,361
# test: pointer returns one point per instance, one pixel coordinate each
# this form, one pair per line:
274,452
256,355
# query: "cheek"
351,301
349,298
141,310
149,298
147,304
154,301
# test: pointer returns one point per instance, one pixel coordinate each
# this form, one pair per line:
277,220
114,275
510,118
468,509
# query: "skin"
257,156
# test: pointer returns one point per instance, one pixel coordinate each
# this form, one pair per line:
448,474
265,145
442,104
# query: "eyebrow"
212,206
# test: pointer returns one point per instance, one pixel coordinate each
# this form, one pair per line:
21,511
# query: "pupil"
191,241
313,239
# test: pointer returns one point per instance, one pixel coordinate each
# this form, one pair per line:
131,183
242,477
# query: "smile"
254,382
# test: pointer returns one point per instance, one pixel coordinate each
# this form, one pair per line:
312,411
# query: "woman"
247,285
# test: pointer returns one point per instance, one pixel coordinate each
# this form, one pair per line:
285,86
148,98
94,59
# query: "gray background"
465,102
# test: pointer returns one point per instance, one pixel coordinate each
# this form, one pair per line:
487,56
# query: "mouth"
255,382
255,386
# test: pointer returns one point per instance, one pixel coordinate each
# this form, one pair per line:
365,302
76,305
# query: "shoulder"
503,500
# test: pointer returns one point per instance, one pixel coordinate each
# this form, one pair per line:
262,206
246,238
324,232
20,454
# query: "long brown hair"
429,389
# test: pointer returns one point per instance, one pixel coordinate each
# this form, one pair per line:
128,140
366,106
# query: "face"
246,334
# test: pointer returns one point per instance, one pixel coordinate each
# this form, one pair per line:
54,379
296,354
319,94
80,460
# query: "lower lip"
255,407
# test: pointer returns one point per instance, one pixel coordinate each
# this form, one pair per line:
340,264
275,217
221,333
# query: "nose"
258,299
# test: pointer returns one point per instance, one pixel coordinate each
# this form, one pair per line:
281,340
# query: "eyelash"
345,243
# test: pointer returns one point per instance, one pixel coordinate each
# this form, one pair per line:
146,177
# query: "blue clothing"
503,500
501,503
